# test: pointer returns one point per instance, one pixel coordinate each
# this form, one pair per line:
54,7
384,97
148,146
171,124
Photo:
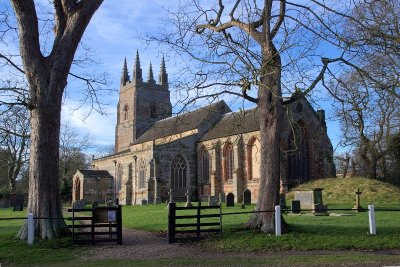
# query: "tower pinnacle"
150,76
125,74
137,71
163,77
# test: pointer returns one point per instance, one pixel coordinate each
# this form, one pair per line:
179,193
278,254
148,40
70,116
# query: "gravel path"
138,244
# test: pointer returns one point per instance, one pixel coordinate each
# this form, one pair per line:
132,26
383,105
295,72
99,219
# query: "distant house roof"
182,123
95,173
234,123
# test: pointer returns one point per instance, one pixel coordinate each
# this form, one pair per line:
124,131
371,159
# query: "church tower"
140,103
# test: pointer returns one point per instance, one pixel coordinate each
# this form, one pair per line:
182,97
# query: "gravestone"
188,203
296,206
230,200
247,197
213,201
308,199
95,204
320,209
143,202
108,200
18,204
79,204
222,197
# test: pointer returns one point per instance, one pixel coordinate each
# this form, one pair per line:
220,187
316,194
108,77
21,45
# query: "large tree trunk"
369,158
43,171
47,78
270,106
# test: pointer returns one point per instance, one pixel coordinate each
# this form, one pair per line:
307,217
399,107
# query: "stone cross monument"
188,203
357,207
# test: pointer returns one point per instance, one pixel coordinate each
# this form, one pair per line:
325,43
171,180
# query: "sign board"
112,217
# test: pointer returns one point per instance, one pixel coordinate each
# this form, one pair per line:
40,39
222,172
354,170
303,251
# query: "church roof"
182,123
95,173
234,123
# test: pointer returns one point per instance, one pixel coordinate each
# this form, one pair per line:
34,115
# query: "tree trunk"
353,168
270,106
346,166
43,172
12,185
372,167
47,78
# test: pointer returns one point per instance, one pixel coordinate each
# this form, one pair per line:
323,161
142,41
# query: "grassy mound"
341,191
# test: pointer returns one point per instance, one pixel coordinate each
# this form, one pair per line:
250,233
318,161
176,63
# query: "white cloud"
99,127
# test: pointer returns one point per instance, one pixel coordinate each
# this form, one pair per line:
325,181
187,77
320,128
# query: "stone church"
207,151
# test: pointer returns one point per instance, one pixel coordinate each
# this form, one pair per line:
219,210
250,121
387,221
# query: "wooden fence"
186,228
103,224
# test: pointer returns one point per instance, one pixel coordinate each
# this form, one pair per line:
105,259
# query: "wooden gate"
96,224
188,229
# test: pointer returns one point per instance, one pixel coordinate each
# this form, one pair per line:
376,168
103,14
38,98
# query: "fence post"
31,229
278,230
171,222
371,217
198,220
119,225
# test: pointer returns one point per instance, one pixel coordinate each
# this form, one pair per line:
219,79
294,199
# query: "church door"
77,191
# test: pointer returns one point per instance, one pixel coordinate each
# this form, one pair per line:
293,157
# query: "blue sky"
111,36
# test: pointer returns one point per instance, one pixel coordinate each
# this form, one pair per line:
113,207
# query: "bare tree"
369,117
72,157
373,33
258,50
46,67
14,142
343,163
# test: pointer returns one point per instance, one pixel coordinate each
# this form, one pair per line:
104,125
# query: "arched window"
178,172
228,162
253,159
204,166
126,108
142,174
298,156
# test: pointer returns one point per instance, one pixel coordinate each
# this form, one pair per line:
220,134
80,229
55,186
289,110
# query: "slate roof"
115,154
182,123
95,173
234,123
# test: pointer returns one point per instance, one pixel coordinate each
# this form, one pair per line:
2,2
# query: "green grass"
339,191
16,251
353,258
304,233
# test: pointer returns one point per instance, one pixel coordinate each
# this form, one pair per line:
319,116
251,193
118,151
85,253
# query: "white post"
371,217
278,230
31,229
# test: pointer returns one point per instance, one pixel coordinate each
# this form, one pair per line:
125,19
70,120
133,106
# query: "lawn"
304,233
13,250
